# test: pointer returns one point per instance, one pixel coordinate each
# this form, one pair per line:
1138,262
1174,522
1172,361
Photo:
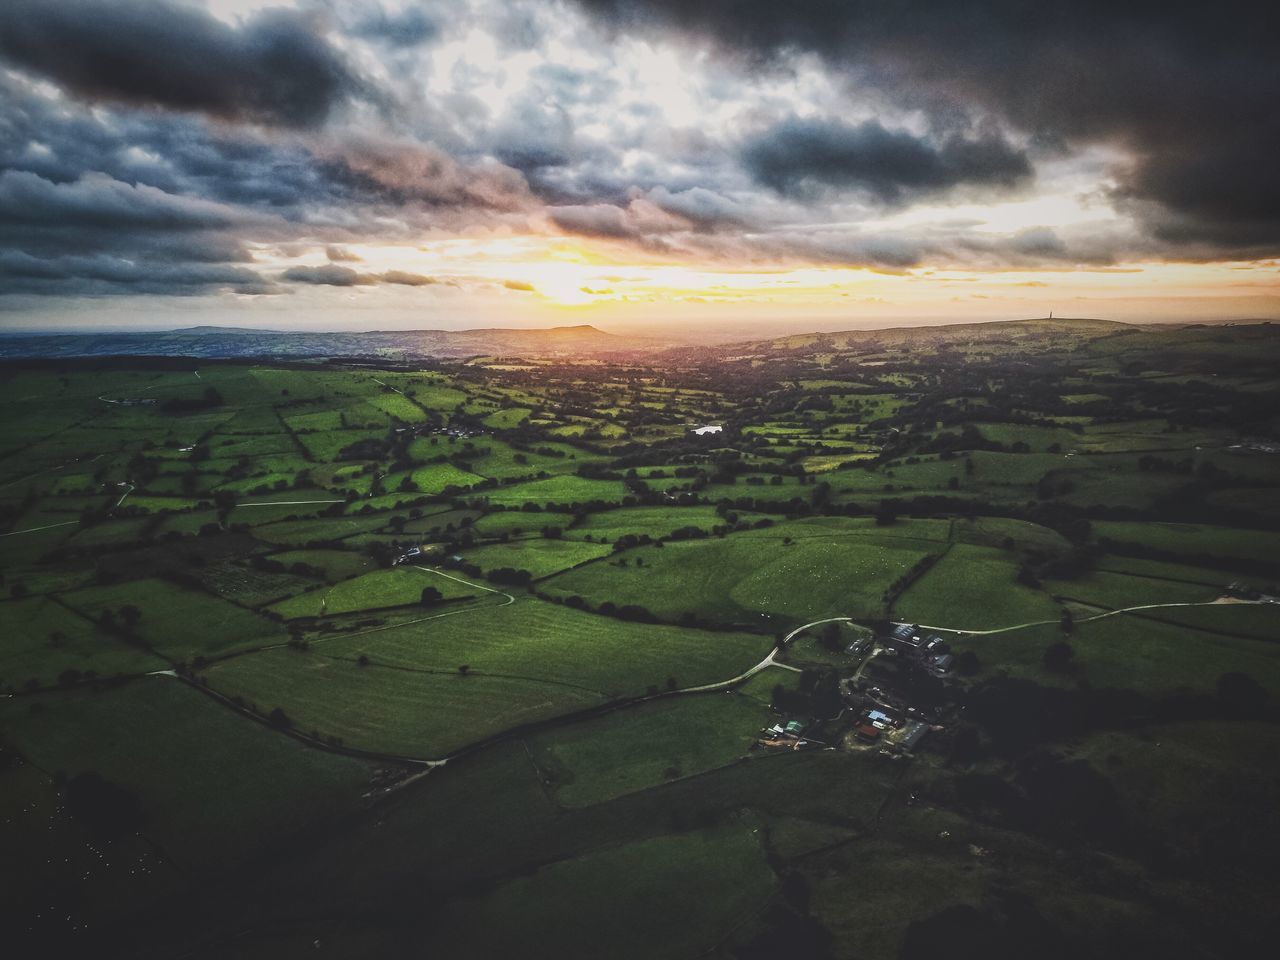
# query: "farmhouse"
908,639
881,718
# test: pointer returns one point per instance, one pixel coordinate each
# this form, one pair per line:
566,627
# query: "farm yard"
466,655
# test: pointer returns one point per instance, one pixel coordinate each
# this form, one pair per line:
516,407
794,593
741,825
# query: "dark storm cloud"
157,189
276,68
1188,89
805,156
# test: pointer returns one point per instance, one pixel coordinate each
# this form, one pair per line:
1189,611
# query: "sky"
647,166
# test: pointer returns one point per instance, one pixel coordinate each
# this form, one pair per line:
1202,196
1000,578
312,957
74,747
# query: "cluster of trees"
209,400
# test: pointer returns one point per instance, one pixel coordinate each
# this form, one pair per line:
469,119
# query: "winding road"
426,765
1221,601
766,662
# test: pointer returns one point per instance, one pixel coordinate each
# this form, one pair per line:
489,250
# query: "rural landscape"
639,480
894,643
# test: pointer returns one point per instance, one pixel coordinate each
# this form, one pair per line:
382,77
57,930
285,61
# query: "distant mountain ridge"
230,342
988,330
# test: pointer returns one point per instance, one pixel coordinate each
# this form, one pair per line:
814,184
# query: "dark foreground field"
476,658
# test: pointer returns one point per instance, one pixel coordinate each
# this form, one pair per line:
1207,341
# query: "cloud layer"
171,147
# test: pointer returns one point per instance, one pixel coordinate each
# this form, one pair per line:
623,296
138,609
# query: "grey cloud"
402,172
702,207
97,200
401,278
805,157
277,68
337,254
101,275
596,220
409,27
332,275
1189,90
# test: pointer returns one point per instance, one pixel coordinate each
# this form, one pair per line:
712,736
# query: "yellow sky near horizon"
576,277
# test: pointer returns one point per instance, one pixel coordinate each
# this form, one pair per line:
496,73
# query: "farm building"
908,639
913,734
867,733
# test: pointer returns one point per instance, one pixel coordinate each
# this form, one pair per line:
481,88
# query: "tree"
886,514
279,719
464,669
1068,622
831,637
1058,657
430,595
362,660
1242,697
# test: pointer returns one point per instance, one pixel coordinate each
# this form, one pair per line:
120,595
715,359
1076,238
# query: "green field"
42,639
371,591
526,662
243,787
201,602
178,622
1192,540
542,558
632,750
566,908
742,579
974,588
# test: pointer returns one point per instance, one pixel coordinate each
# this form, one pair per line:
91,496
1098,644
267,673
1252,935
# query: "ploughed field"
399,660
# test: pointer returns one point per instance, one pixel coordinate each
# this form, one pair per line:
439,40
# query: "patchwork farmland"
462,653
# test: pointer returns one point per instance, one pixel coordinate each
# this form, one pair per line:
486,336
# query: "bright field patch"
382,588
401,712
527,661
540,557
